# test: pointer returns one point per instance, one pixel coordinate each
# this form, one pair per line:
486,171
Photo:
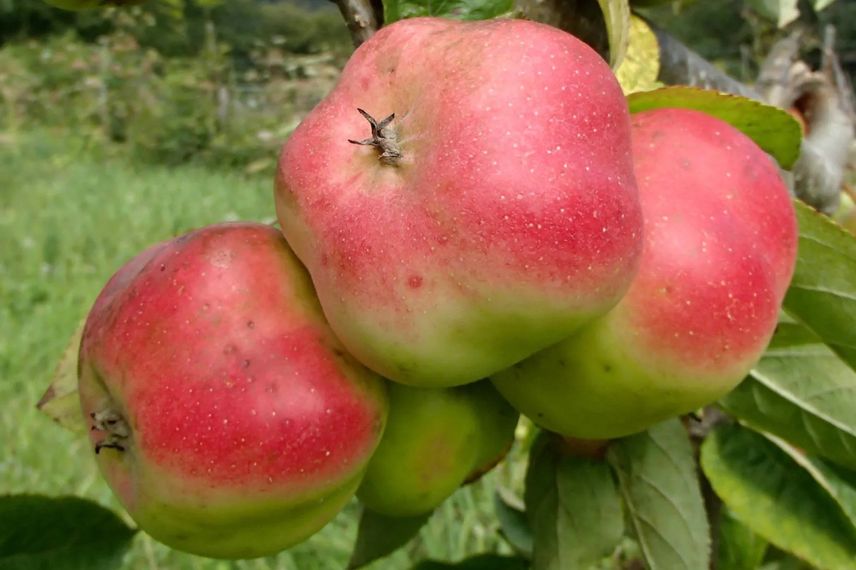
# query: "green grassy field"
70,215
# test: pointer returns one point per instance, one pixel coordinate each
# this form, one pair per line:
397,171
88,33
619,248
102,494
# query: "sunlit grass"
70,215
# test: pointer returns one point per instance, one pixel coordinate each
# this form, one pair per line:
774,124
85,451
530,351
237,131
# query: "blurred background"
172,81
222,82
119,128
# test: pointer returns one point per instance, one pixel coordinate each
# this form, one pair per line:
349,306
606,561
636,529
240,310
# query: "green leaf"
480,562
839,483
822,294
784,561
513,523
657,475
616,15
768,492
60,401
739,547
379,535
774,130
647,3
573,506
641,64
782,12
65,533
802,392
394,10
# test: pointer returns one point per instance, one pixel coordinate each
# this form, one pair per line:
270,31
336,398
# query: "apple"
488,208
225,415
436,439
720,247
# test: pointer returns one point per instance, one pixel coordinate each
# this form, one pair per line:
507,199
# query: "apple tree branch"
363,18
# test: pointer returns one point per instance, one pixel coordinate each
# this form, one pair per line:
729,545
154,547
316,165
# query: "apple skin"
436,439
510,219
248,426
720,248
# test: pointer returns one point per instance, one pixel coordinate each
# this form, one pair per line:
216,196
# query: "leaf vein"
824,290
797,401
836,250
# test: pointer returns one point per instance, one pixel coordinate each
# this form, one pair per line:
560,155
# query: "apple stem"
578,447
114,424
383,138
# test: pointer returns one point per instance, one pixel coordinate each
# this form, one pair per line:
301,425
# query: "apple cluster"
472,226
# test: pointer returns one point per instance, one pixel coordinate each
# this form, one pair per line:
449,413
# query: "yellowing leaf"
641,65
60,401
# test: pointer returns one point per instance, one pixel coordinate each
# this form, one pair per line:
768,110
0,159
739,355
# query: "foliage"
573,506
173,80
766,490
164,109
394,10
244,25
178,27
82,534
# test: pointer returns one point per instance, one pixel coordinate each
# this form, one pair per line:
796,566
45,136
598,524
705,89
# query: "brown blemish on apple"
415,281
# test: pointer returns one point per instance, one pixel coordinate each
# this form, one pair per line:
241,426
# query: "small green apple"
436,439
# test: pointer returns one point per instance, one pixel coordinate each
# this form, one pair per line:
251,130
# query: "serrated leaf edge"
623,485
786,161
804,462
714,442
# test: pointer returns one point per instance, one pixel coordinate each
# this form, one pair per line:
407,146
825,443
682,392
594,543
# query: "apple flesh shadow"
720,248
488,208
436,439
225,415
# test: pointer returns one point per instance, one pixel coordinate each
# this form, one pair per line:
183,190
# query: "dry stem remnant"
383,138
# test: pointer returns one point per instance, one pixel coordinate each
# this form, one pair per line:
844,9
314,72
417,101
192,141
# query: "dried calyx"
115,427
383,138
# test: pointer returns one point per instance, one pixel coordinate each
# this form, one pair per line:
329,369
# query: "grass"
70,214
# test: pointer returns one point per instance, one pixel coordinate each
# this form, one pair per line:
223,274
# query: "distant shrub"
164,109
